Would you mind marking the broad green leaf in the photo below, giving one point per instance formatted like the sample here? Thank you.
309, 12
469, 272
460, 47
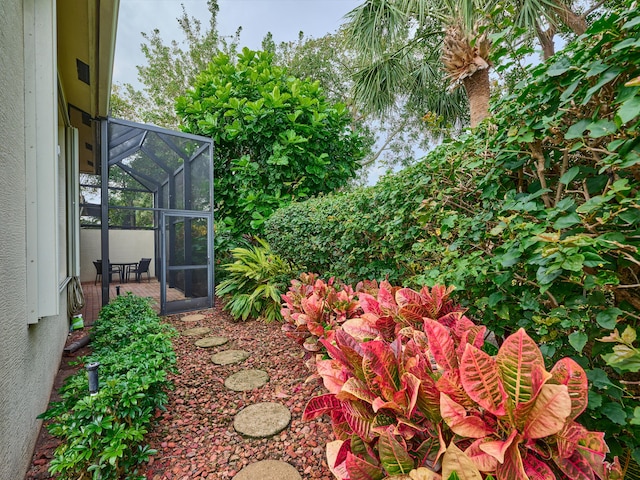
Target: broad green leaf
615, 413
561, 66
567, 221
455, 461
577, 129
480, 379
601, 128
629, 109
608, 318
574, 263
549, 413
578, 340
569, 175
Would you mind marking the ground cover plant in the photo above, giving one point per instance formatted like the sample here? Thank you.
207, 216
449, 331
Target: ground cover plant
104, 434
533, 217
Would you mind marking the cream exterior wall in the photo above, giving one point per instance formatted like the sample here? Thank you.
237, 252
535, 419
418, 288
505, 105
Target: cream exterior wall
29, 354
124, 246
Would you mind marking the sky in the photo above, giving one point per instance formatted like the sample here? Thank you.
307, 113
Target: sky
283, 18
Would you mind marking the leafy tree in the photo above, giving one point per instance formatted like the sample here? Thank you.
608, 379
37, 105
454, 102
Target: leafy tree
277, 138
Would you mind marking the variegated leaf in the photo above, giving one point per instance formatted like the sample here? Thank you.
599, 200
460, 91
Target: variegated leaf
338, 470
593, 449
512, 468
357, 389
576, 467
383, 362
359, 418
456, 461
549, 413
363, 328
406, 296
480, 379
536, 469
567, 439
369, 304
441, 345
517, 358
360, 469
498, 448
319, 405
423, 473
568, 372
482, 460
394, 457
460, 423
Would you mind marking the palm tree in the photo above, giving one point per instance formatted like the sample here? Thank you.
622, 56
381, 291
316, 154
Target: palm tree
425, 49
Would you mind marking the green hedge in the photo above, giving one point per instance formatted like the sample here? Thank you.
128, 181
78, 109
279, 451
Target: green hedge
103, 435
534, 217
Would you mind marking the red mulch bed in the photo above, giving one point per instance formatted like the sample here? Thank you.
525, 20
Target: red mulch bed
195, 438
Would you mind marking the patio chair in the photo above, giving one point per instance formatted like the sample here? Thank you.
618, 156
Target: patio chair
142, 267
112, 270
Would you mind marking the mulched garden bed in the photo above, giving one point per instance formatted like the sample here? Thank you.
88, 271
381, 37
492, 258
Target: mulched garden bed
195, 438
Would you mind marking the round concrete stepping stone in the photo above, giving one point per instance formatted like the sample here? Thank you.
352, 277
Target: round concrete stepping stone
268, 470
194, 332
262, 420
229, 356
208, 342
246, 380
193, 318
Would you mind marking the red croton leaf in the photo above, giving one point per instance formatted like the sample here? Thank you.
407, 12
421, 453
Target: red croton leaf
320, 405
512, 468
460, 422
441, 345
568, 372
536, 469
593, 449
498, 448
384, 363
394, 456
360, 469
337, 467
363, 328
576, 467
369, 304
568, 438
482, 460
480, 379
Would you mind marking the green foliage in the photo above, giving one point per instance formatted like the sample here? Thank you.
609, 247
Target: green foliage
276, 138
255, 281
104, 434
533, 217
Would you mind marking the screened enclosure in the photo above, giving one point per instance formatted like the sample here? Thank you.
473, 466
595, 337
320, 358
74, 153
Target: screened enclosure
162, 180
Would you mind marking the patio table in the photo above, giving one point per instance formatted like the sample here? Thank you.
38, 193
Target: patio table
124, 267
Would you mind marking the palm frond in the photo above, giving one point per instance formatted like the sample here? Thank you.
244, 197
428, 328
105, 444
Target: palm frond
374, 25
377, 84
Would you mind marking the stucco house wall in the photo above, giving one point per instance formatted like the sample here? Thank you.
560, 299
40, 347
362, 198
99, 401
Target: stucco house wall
124, 246
29, 353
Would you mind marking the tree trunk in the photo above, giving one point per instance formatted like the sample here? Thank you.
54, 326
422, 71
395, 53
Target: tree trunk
545, 37
577, 23
477, 87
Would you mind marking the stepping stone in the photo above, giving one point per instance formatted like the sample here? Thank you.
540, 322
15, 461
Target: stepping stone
193, 318
208, 342
268, 470
194, 332
262, 420
246, 380
229, 356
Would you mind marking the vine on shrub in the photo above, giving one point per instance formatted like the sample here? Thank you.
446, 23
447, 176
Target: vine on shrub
104, 434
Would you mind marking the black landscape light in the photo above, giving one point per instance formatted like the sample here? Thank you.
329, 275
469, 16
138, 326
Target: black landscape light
92, 371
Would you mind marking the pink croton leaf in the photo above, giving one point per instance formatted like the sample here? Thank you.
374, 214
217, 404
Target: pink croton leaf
456, 461
549, 413
412, 314
339, 424
363, 328
320, 405
338, 469
384, 363
369, 304
406, 296
482, 460
473, 335
567, 439
450, 384
460, 422
354, 388
497, 448
517, 358
480, 379
568, 372
441, 345
386, 299
576, 467
593, 449
333, 374
512, 468
360, 469
359, 418
411, 385
536, 469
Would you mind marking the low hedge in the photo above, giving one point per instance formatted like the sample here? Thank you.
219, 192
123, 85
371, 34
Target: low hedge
103, 435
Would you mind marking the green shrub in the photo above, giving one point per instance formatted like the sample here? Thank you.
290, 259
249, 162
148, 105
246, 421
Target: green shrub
103, 435
254, 281
534, 218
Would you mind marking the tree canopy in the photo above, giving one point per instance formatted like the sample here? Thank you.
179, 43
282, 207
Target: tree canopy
276, 137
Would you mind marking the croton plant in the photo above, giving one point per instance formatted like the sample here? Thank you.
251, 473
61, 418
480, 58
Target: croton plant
413, 394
